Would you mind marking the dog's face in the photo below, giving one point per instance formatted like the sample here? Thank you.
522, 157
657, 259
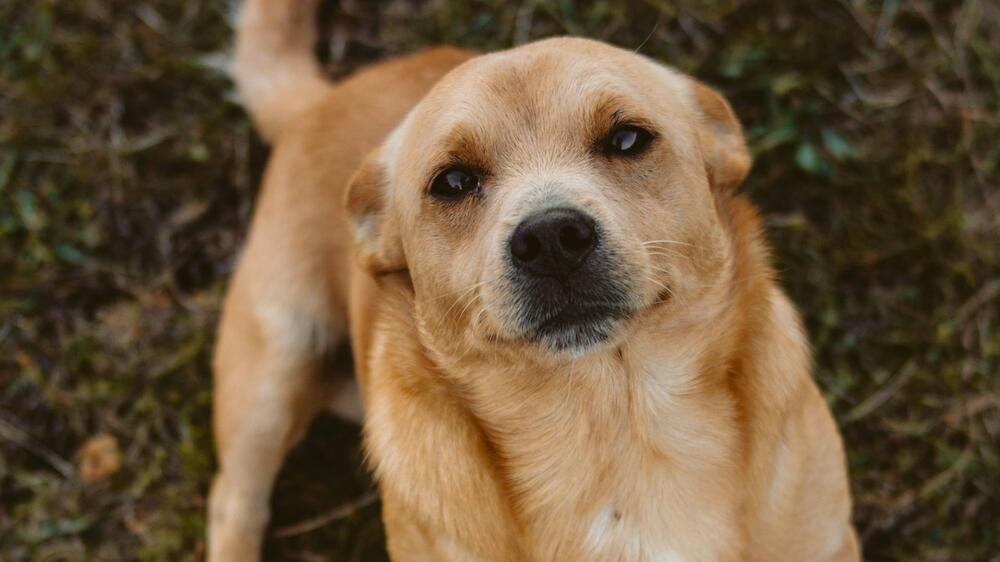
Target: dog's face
548, 195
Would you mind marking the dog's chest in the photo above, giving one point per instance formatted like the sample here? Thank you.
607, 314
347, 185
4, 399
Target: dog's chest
603, 465
630, 528
641, 472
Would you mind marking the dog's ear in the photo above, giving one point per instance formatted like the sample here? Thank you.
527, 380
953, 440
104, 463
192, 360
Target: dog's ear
377, 239
724, 149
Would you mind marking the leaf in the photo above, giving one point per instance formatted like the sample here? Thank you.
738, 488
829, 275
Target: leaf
99, 458
837, 146
786, 83
70, 254
810, 160
773, 138
199, 152
28, 210
6, 170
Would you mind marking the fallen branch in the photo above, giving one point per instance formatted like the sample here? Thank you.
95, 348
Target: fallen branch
323, 519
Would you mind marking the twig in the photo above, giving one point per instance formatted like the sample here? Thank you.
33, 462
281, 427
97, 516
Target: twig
882, 395
983, 296
20, 437
944, 477
523, 21
339, 512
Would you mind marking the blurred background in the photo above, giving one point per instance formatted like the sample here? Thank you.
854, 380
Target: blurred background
128, 173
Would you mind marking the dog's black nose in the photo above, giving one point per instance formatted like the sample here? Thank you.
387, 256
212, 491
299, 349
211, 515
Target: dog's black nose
553, 242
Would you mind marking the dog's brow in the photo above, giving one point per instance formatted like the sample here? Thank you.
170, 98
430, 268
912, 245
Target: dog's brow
608, 111
463, 145
607, 104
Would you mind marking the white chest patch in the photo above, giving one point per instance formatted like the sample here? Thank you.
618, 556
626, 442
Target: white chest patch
612, 537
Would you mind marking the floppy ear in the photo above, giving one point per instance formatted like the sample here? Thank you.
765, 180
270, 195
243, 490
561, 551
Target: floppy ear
725, 151
377, 239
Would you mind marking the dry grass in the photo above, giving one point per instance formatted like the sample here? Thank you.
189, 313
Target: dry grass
127, 176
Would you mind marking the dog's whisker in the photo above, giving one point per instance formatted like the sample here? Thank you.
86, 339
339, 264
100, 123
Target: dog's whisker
722, 281
717, 283
659, 284
678, 242
670, 255
467, 305
463, 290
666, 251
475, 325
663, 248
458, 300
461, 298
662, 270
480, 316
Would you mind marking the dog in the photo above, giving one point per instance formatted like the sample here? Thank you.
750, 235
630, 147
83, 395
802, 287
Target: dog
569, 342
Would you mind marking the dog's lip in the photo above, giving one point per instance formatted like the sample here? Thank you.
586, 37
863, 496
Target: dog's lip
581, 316
588, 314
576, 316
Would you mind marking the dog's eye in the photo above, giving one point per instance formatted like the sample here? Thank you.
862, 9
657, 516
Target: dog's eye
454, 183
627, 140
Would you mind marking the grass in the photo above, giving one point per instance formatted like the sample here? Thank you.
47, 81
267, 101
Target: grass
128, 173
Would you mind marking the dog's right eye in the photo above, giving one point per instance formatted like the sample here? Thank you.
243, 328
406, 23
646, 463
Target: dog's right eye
455, 183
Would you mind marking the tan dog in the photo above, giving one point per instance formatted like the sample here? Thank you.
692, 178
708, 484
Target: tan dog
570, 343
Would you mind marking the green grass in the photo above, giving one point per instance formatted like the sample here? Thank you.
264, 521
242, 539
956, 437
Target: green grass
127, 177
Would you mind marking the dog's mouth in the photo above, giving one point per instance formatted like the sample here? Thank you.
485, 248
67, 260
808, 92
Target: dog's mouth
580, 326
573, 316
577, 327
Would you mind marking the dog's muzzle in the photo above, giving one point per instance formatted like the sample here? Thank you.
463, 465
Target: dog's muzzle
567, 287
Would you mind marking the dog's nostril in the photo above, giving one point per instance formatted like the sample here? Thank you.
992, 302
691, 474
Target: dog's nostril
526, 247
576, 237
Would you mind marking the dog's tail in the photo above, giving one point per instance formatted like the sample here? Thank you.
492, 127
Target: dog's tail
275, 69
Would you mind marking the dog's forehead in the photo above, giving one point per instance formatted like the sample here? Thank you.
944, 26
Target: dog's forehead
523, 78
550, 79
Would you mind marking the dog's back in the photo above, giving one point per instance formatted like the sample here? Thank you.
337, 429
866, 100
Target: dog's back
286, 307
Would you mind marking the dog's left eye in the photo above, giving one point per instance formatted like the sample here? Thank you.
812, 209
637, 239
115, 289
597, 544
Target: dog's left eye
627, 140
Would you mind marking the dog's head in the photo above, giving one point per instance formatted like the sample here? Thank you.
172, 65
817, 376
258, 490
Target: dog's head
547, 195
